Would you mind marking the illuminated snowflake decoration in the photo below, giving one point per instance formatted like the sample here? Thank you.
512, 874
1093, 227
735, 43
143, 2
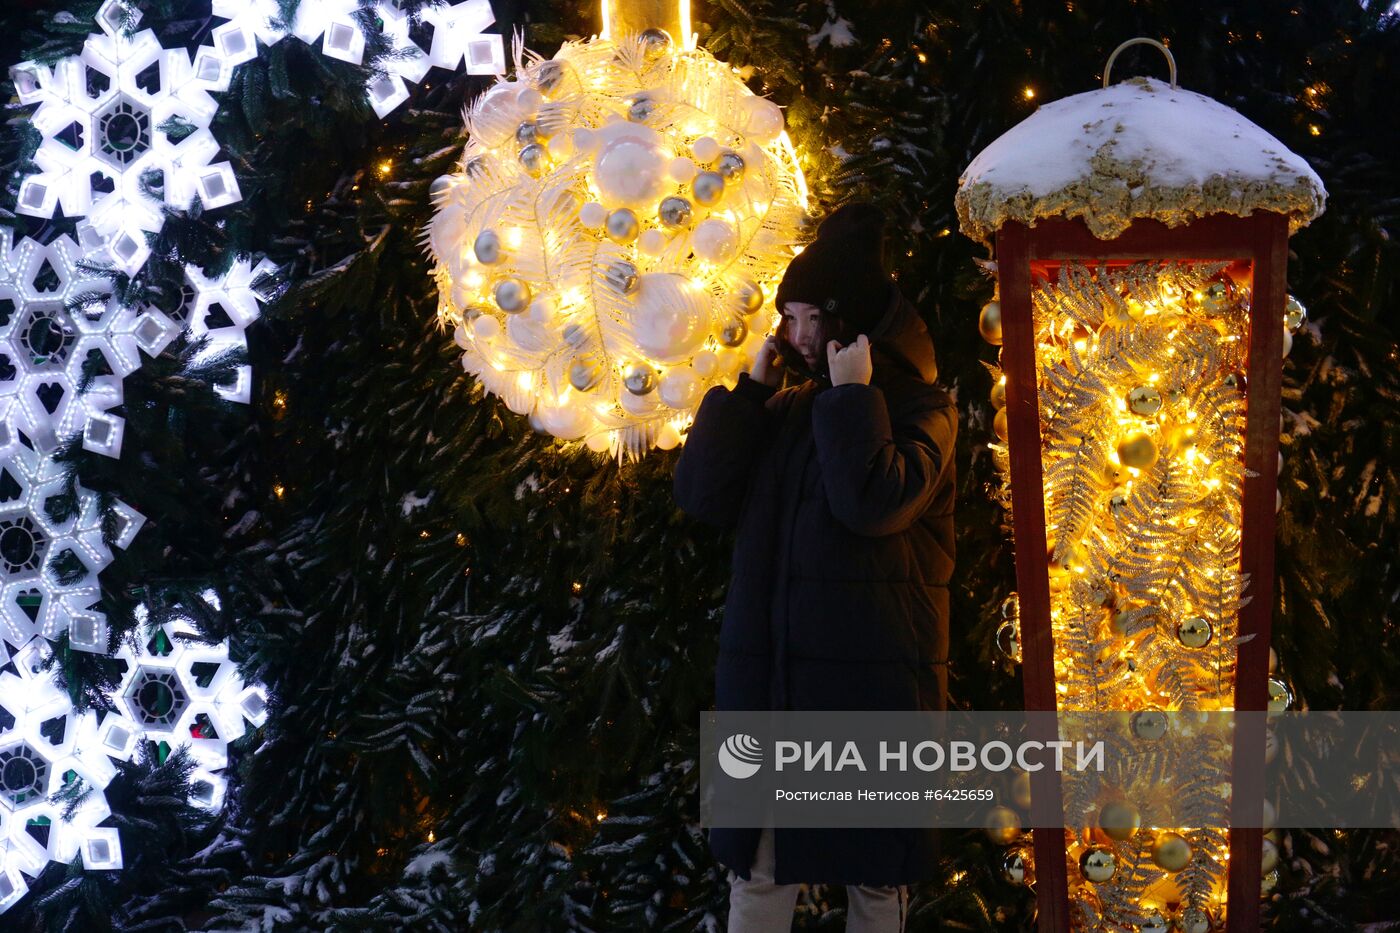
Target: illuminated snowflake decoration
458, 34
125, 127
57, 321
51, 550
187, 693
44, 748
219, 311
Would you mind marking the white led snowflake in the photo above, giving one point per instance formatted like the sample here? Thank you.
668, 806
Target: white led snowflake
40, 545
219, 311
44, 747
187, 693
125, 126
56, 318
458, 34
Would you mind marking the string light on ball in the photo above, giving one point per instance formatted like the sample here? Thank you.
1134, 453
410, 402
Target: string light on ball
609, 245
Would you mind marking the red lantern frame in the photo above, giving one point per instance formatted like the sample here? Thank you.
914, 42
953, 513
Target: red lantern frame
1261, 242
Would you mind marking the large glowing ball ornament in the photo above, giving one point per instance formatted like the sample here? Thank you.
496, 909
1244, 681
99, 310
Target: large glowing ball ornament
567, 276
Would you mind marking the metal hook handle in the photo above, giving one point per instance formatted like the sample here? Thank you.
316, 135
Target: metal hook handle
1142, 40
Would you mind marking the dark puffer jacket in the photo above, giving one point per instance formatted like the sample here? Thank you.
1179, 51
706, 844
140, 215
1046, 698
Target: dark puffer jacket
843, 501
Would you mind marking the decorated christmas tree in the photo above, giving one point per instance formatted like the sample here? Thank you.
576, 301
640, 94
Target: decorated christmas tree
343, 588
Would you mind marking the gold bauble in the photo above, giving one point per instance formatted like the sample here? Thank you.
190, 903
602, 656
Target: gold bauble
1194, 920
1002, 826
1171, 852
1017, 868
1149, 725
1268, 859
1137, 450
999, 425
1213, 300
1268, 882
1273, 660
998, 393
1235, 380
1194, 632
989, 323
1280, 697
1145, 401
1009, 640
1097, 864
748, 296
1118, 622
733, 332
1119, 820
1294, 315
1118, 501
1021, 790
1154, 923
1011, 608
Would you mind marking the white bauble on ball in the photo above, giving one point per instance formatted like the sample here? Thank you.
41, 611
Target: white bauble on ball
706, 150
584, 139
486, 327
667, 437
598, 443
651, 242
631, 167
529, 101
530, 335
639, 404
714, 240
496, 115
705, 364
566, 422
682, 169
593, 215
679, 387
765, 120
670, 317
447, 229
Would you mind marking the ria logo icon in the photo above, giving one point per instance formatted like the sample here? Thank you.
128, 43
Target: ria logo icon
741, 756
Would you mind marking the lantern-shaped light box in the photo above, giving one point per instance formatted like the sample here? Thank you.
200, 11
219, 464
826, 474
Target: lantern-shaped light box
1140, 236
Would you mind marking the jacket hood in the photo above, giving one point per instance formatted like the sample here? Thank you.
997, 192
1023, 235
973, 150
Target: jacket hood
901, 340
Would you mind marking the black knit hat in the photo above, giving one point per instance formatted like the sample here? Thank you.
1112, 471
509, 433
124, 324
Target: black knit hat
842, 271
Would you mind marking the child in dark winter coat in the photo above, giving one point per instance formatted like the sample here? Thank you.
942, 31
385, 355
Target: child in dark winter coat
841, 489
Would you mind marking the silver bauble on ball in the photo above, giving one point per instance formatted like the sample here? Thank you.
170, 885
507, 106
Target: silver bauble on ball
488, 247
1280, 697
733, 332
707, 188
641, 109
1015, 867
655, 42
550, 77
527, 132
1294, 315
474, 167
638, 378
439, 185
674, 212
1194, 920
622, 276
730, 166
748, 296
584, 374
622, 226
512, 294
1214, 299
1145, 401
532, 158
989, 323
1009, 640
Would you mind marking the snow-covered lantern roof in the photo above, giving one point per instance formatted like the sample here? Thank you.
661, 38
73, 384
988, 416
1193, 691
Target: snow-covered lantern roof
1139, 149
1140, 234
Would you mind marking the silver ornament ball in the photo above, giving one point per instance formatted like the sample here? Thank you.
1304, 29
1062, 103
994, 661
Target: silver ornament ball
638, 378
655, 42
731, 166
533, 158
622, 277
674, 212
641, 109
1294, 315
488, 247
527, 132
748, 296
583, 374
707, 188
512, 294
733, 332
622, 226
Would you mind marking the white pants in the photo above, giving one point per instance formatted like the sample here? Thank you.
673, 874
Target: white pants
761, 906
